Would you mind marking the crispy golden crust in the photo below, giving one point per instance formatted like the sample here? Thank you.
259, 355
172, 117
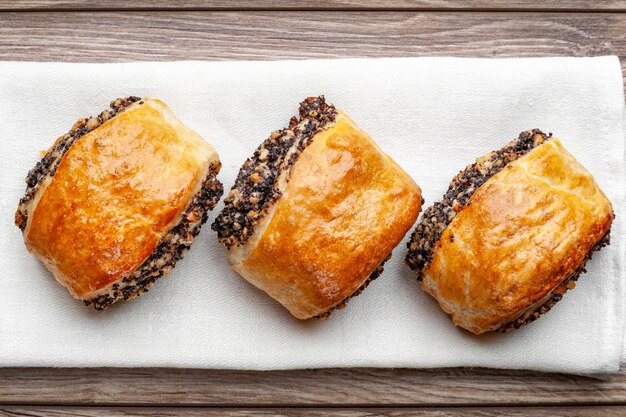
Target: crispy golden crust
523, 232
117, 191
345, 207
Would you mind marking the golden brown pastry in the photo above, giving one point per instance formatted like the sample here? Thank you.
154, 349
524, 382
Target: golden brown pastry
316, 211
117, 201
511, 235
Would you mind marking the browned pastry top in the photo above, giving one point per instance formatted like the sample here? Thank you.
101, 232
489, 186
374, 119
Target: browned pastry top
344, 209
523, 232
116, 192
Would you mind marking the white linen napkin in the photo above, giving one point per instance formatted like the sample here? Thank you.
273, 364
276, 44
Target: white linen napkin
432, 115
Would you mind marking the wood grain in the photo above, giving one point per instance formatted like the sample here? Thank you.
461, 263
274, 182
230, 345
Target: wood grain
605, 411
125, 36
357, 387
479, 5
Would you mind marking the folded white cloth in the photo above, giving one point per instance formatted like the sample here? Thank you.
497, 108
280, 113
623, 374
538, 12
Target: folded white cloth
432, 115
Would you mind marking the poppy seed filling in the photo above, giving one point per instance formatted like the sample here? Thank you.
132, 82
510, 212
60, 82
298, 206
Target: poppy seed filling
437, 217
256, 187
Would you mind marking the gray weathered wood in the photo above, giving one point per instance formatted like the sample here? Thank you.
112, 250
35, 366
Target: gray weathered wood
124, 36
603, 411
543, 5
330, 387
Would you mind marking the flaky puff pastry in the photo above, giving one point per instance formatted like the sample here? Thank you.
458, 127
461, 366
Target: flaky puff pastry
117, 201
524, 232
343, 205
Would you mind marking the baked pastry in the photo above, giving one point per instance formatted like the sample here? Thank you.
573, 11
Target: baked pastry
316, 211
511, 235
117, 200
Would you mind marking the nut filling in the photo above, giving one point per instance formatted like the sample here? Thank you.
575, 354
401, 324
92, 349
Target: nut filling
256, 187
172, 247
437, 217
47, 166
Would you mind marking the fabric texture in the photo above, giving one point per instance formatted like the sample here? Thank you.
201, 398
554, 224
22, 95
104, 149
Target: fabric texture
434, 116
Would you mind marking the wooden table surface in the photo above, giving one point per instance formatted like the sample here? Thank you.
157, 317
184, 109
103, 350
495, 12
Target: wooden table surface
108, 31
